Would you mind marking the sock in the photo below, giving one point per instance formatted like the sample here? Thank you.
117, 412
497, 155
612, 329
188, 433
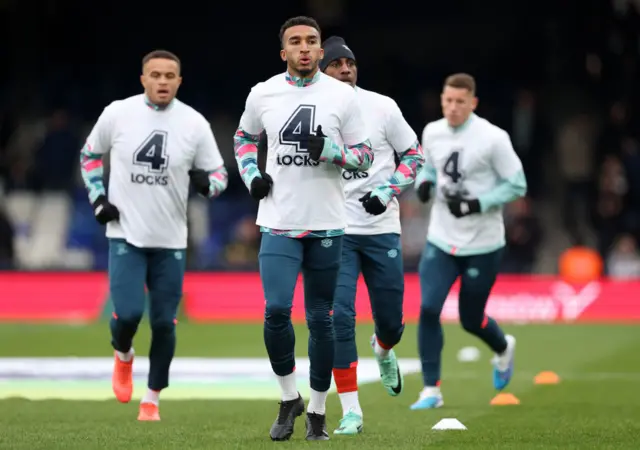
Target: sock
317, 402
288, 386
151, 396
430, 343
347, 387
379, 349
430, 391
350, 403
125, 357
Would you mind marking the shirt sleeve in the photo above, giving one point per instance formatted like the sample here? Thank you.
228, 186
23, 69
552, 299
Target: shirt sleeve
508, 168
398, 132
209, 159
405, 143
250, 120
98, 143
356, 154
428, 172
353, 128
246, 140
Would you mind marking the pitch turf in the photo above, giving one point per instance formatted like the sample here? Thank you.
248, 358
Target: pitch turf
595, 406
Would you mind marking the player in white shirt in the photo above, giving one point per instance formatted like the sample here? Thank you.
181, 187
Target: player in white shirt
471, 171
314, 130
156, 146
371, 245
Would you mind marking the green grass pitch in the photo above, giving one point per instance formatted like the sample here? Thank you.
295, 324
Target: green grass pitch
596, 405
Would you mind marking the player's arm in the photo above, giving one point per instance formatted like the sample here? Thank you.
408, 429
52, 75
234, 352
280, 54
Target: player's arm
210, 176
96, 146
356, 153
245, 143
357, 157
405, 142
508, 167
427, 176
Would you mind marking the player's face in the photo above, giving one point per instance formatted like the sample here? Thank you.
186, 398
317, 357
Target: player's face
301, 50
161, 80
343, 69
457, 105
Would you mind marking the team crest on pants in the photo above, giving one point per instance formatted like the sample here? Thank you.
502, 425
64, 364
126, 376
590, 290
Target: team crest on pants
326, 243
392, 253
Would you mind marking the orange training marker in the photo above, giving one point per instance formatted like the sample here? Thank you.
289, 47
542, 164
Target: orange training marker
505, 399
546, 377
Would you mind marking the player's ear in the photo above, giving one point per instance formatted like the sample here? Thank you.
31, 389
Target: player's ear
142, 81
474, 103
321, 53
283, 55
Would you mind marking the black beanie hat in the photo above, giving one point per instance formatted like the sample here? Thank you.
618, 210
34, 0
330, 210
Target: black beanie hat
334, 48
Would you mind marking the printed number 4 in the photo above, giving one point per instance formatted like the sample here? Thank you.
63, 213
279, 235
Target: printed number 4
451, 167
298, 128
153, 152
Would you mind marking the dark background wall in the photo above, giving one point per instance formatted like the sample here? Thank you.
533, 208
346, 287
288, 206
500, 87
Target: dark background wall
561, 77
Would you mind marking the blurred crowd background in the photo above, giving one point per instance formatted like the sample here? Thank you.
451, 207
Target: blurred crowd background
562, 79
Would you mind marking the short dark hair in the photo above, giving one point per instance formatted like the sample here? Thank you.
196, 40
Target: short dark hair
299, 20
461, 81
161, 54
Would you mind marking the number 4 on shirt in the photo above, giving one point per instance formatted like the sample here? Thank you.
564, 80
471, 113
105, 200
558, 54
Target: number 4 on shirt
451, 167
298, 127
153, 152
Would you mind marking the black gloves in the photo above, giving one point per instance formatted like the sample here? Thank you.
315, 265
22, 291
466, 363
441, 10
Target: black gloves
200, 180
260, 186
104, 211
460, 207
424, 191
372, 205
315, 144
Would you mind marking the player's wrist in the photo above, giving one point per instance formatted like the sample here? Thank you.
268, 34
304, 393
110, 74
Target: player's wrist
475, 205
330, 151
383, 196
254, 177
101, 199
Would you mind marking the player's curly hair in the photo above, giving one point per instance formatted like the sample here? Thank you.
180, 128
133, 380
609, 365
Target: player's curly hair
299, 20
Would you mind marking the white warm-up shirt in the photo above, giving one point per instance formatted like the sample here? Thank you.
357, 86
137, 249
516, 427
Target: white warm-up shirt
151, 152
389, 134
305, 195
476, 160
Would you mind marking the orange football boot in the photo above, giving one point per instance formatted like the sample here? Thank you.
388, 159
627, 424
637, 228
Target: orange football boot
149, 412
122, 380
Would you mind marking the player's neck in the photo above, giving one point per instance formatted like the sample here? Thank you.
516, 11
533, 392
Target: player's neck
156, 107
463, 125
299, 81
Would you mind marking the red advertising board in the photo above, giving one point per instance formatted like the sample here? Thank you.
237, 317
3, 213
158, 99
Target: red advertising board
64, 297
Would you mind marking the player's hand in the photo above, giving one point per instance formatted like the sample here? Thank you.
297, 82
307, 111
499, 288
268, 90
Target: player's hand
260, 186
315, 144
372, 204
424, 191
460, 207
104, 211
200, 180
